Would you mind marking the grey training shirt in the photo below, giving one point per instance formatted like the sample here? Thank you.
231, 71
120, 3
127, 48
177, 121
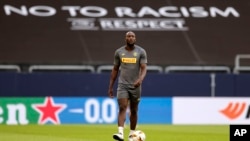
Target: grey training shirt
129, 62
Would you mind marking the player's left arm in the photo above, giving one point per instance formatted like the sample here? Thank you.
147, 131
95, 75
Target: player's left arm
143, 72
143, 68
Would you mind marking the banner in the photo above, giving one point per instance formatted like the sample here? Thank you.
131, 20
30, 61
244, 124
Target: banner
100, 110
219, 110
78, 110
88, 32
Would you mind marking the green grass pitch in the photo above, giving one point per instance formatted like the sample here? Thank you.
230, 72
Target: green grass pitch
103, 132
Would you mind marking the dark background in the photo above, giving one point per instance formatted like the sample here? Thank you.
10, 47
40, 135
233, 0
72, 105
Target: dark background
209, 41
27, 40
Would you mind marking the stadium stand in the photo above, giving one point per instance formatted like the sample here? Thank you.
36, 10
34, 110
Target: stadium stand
238, 67
81, 68
104, 68
150, 68
180, 38
217, 69
14, 68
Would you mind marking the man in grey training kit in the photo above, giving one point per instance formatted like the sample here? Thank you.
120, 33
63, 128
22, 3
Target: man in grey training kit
131, 61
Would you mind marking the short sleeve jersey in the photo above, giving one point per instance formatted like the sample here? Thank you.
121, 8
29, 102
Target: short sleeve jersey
129, 62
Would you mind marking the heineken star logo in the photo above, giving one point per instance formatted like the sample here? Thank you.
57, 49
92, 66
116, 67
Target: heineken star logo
49, 111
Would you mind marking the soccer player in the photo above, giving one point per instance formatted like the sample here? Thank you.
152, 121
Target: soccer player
131, 61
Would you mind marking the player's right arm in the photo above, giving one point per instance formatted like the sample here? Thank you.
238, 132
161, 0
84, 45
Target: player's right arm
113, 77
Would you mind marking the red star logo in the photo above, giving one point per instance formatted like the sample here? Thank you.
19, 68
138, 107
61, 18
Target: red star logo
49, 111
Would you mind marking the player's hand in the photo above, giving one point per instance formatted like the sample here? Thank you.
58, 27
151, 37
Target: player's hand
110, 93
137, 83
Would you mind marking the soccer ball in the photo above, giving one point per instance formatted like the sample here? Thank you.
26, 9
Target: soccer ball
138, 135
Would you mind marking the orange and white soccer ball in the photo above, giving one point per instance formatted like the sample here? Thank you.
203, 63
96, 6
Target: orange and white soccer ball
138, 135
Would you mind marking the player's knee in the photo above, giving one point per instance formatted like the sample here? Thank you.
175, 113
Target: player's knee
122, 108
133, 112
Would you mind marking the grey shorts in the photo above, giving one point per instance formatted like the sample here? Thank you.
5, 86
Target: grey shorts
129, 91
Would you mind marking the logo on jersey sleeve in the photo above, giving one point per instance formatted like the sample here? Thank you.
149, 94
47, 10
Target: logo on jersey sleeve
135, 54
129, 60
